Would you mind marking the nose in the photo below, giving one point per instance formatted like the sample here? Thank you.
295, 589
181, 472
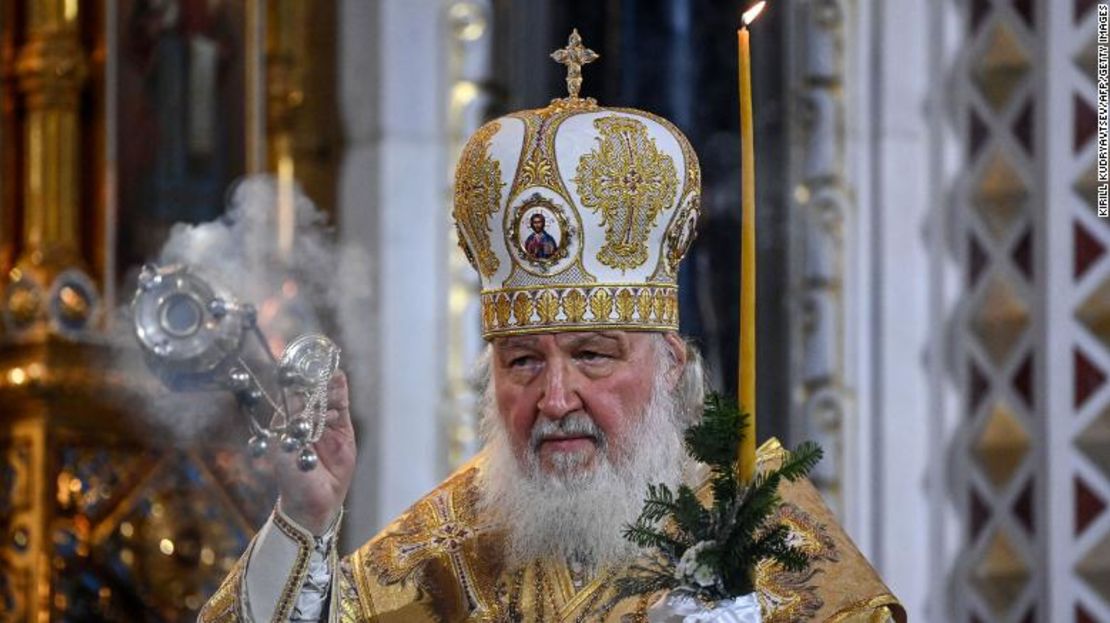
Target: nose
560, 392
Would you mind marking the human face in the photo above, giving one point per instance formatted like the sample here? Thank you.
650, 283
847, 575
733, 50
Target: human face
603, 376
538, 223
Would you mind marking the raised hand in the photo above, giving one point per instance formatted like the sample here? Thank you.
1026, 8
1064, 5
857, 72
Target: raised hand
313, 498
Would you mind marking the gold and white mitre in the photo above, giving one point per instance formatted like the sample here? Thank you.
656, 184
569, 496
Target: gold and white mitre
576, 215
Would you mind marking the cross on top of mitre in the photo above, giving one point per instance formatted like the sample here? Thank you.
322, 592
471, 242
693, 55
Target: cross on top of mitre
574, 56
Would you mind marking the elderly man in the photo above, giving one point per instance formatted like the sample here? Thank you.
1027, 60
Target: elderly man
586, 391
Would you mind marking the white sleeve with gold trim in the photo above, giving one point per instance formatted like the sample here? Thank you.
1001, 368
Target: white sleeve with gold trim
288, 572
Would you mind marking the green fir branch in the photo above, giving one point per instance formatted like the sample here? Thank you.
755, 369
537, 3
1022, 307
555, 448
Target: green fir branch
643, 579
733, 533
645, 534
660, 503
691, 517
798, 463
715, 440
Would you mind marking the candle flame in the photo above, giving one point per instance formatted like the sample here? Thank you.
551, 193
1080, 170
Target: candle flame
749, 16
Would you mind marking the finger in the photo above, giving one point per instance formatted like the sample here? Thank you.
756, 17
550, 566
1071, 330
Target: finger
295, 402
338, 394
339, 420
338, 378
337, 451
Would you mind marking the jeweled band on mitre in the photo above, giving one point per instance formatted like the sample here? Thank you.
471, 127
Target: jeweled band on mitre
576, 216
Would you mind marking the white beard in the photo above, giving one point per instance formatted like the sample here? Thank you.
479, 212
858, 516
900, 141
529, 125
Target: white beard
579, 513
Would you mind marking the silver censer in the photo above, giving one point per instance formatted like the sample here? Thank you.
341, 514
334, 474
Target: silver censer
195, 337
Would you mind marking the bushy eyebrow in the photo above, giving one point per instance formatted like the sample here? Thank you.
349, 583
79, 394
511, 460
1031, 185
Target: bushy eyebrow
565, 341
579, 340
516, 341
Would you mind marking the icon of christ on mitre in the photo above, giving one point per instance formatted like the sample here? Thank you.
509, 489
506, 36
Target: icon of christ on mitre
586, 389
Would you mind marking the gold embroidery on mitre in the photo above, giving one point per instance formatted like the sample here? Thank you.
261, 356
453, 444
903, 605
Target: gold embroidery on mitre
625, 303
470, 259
504, 310
537, 166
683, 230
574, 304
629, 181
547, 305
578, 307
660, 302
643, 304
477, 197
522, 309
601, 304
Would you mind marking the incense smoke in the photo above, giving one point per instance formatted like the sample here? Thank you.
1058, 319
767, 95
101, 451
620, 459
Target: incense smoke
311, 283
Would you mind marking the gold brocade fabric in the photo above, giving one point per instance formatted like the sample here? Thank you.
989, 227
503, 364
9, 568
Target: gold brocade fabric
440, 561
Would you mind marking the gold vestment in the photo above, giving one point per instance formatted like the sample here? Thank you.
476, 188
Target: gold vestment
441, 561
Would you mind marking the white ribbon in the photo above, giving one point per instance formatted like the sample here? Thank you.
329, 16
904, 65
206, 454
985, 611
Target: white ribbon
681, 607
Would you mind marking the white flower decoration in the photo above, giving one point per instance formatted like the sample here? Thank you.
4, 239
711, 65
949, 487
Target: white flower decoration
690, 572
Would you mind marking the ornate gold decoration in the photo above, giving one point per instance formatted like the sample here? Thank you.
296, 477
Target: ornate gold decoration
504, 310
51, 68
477, 197
522, 309
569, 105
537, 165
683, 230
619, 160
442, 561
791, 596
873, 610
574, 56
566, 308
489, 317
629, 181
538, 169
574, 303
547, 304
225, 605
626, 303
601, 303
693, 168
437, 542
295, 580
644, 305
465, 248
348, 602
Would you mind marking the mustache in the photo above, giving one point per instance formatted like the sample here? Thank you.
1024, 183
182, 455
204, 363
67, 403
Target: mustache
577, 424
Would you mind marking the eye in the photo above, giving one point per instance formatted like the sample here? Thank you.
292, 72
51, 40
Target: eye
522, 361
592, 355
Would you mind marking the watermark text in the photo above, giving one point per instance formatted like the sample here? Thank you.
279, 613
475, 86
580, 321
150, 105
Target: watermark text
1102, 79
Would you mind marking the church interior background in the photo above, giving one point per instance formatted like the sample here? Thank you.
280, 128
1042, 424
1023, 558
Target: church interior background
934, 290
